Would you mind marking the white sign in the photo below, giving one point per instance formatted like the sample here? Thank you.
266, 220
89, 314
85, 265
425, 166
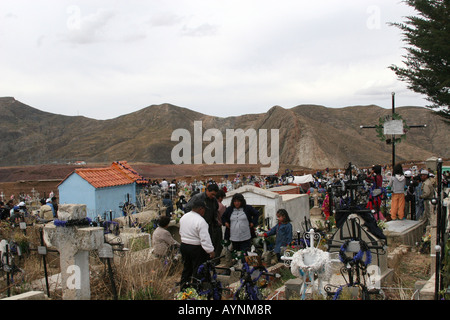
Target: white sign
42, 250
105, 251
393, 127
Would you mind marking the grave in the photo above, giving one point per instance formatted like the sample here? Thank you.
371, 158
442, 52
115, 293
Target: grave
73, 238
307, 264
353, 230
408, 232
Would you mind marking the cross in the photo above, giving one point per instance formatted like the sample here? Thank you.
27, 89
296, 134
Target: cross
393, 132
73, 244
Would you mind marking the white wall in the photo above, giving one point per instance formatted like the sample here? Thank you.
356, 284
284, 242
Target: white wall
297, 205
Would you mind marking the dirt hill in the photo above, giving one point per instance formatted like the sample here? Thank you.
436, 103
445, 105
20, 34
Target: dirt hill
309, 135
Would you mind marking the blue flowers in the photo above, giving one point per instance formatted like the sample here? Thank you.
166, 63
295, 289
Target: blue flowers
357, 258
73, 223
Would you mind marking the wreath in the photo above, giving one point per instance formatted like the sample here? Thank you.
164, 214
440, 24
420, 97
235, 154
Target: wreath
321, 262
380, 127
364, 249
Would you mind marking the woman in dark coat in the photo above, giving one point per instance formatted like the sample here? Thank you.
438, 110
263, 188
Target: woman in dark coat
240, 220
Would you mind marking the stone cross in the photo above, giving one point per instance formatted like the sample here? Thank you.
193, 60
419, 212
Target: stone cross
74, 243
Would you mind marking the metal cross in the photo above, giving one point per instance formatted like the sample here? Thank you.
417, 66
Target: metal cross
392, 140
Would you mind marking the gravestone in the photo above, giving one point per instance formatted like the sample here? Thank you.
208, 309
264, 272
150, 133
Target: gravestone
352, 231
73, 241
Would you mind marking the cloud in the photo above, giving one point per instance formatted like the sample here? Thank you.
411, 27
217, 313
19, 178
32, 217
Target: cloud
216, 57
202, 30
165, 19
87, 29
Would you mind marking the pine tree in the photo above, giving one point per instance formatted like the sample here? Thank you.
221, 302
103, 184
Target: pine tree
427, 68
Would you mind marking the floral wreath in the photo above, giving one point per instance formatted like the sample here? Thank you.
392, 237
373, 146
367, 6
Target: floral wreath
320, 265
380, 127
364, 249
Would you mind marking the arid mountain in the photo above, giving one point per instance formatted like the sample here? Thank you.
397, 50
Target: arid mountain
309, 135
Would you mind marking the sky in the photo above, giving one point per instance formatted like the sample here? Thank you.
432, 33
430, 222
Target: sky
106, 58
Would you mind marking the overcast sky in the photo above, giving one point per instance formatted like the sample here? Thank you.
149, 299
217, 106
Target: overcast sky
106, 58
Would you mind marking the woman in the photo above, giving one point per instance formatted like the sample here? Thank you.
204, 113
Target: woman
240, 220
164, 245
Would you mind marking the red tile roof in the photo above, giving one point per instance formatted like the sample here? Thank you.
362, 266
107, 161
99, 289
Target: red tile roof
129, 171
119, 173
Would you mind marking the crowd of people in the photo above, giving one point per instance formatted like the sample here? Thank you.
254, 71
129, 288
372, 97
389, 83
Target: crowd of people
16, 213
405, 193
206, 225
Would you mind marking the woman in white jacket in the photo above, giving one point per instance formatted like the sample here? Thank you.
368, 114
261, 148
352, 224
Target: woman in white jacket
397, 185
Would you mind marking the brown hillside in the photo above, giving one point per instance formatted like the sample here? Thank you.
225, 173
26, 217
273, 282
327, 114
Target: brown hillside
310, 136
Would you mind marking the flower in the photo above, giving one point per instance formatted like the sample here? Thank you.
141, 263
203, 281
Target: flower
188, 294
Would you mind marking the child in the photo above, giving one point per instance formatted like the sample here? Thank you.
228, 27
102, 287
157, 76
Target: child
283, 232
397, 184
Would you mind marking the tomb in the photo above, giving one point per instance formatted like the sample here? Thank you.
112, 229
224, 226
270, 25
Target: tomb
268, 202
73, 238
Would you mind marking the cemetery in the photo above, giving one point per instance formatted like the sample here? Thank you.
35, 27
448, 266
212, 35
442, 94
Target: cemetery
348, 256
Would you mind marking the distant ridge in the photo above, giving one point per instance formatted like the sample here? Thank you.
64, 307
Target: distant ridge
311, 136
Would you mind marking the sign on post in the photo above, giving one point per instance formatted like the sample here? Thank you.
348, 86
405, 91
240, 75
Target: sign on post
393, 127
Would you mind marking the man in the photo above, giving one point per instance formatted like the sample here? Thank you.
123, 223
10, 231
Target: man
427, 193
211, 214
196, 246
45, 212
50, 204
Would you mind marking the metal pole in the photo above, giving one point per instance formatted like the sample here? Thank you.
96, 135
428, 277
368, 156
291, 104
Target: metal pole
393, 136
111, 278
440, 226
7, 272
44, 261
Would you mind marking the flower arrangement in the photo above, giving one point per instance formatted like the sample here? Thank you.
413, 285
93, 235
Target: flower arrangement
188, 294
364, 250
73, 223
319, 262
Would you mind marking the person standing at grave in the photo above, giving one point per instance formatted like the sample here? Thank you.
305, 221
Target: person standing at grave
196, 245
55, 206
50, 204
410, 198
220, 196
45, 212
283, 232
376, 180
326, 205
167, 202
428, 193
240, 220
417, 192
164, 185
397, 184
211, 213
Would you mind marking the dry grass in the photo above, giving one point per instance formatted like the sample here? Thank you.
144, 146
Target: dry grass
135, 279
